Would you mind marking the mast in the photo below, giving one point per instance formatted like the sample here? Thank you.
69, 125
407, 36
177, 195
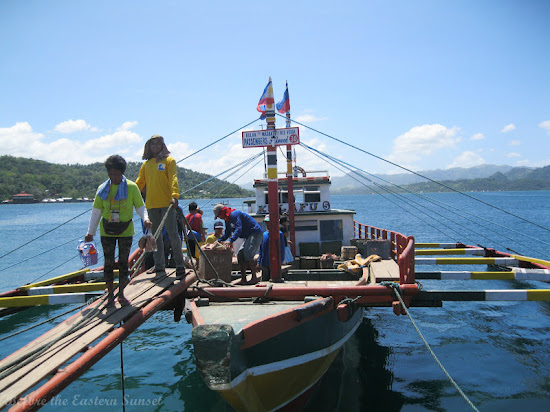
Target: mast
273, 192
290, 182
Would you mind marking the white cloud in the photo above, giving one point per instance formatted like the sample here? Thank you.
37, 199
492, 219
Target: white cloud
545, 125
512, 155
308, 118
422, 141
515, 143
127, 126
508, 128
71, 126
467, 159
477, 136
20, 140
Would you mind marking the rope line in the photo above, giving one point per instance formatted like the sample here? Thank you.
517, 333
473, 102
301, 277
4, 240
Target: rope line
122, 375
44, 234
420, 175
217, 141
41, 323
396, 290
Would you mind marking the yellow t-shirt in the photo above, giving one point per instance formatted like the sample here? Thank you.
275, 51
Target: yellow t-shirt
160, 178
211, 239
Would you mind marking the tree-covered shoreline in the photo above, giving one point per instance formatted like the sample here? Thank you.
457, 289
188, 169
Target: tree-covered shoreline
50, 180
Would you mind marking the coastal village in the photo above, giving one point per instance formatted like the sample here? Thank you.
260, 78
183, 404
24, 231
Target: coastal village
25, 198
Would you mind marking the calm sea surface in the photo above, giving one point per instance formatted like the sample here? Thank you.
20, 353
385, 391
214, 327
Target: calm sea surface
498, 352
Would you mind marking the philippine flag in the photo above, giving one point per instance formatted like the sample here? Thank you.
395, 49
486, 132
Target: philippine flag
266, 99
284, 105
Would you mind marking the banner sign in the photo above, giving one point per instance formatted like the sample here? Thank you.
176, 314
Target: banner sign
271, 137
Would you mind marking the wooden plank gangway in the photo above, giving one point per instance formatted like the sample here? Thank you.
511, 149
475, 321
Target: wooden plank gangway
24, 369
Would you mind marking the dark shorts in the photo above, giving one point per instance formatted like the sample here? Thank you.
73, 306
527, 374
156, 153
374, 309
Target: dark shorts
250, 247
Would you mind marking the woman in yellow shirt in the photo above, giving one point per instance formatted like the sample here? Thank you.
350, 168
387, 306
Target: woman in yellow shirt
158, 176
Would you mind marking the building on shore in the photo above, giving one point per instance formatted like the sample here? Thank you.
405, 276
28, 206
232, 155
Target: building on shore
23, 198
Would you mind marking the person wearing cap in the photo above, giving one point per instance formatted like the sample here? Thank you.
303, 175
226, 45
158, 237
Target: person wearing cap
218, 232
263, 259
158, 177
241, 225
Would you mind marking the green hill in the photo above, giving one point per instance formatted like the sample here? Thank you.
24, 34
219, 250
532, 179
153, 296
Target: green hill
44, 180
514, 180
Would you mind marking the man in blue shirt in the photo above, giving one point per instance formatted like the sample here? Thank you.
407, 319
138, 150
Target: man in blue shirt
241, 225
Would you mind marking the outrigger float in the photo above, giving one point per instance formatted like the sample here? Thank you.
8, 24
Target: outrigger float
263, 346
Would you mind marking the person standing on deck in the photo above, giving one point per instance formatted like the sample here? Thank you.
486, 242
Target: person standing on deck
194, 218
113, 204
241, 225
158, 175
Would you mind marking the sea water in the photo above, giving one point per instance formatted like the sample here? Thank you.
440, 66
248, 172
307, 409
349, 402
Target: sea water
497, 352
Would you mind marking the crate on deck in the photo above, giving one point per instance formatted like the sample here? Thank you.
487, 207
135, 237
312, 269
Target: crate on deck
220, 262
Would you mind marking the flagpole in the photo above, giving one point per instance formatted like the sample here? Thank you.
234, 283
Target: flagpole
290, 186
273, 193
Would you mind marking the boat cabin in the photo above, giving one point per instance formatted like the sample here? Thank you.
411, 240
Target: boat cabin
319, 228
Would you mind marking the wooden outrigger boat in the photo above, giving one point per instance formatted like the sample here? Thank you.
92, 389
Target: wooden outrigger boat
265, 346
267, 352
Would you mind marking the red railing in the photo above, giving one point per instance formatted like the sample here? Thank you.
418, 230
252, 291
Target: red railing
402, 248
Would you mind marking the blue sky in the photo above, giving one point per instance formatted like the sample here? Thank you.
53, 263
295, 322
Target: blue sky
426, 84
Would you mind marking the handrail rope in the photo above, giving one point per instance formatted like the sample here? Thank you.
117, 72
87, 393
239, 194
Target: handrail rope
18, 363
39, 254
420, 175
43, 234
201, 252
220, 192
419, 208
57, 267
218, 280
399, 205
238, 165
508, 228
41, 323
448, 205
122, 374
87, 211
396, 290
82, 322
217, 141
433, 201
86, 318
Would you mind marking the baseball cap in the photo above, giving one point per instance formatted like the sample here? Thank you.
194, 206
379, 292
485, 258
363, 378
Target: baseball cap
217, 209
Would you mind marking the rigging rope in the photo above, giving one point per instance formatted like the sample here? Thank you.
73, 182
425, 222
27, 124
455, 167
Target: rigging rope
43, 234
217, 141
41, 323
438, 229
420, 175
395, 287
122, 374
353, 169
420, 207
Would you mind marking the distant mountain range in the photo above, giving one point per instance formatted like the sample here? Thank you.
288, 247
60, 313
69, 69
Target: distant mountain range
478, 178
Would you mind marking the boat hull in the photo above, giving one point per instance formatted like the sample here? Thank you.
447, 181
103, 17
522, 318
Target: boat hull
272, 373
